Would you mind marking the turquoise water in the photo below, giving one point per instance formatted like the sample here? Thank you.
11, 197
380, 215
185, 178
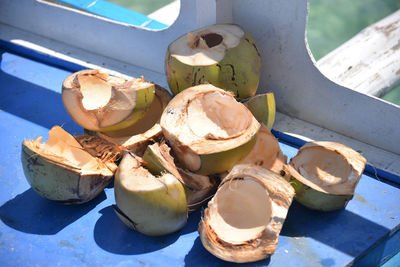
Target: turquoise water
330, 22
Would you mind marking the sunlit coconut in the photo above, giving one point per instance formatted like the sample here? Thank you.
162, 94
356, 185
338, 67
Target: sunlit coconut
208, 130
243, 220
100, 102
223, 54
325, 174
62, 170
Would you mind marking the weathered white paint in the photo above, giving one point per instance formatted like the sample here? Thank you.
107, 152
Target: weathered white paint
279, 30
370, 61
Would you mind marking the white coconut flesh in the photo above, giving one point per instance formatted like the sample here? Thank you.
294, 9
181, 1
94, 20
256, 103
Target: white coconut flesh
206, 46
62, 147
240, 211
327, 170
217, 116
96, 100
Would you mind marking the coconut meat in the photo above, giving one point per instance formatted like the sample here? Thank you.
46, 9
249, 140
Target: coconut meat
206, 46
217, 116
240, 210
62, 147
322, 167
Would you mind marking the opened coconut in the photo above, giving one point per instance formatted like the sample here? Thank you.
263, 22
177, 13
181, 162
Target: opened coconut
243, 220
198, 188
325, 175
263, 108
223, 54
208, 130
151, 204
100, 102
62, 170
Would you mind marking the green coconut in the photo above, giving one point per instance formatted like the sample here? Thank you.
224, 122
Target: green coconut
198, 188
100, 102
263, 108
152, 205
325, 175
208, 130
224, 55
243, 220
62, 170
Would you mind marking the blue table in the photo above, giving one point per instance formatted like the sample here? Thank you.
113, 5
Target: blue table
38, 232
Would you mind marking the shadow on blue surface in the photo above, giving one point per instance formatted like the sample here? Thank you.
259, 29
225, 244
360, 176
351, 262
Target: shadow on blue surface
342, 230
198, 254
34, 103
30, 213
113, 236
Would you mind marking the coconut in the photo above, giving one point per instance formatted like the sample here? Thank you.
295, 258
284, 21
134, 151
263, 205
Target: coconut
243, 220
208, 130
224, 55
267, 153
263, 108
198, 188
61, 170
100, 102
152, 205
325, 175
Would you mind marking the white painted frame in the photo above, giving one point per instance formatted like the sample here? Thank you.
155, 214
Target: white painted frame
278, 27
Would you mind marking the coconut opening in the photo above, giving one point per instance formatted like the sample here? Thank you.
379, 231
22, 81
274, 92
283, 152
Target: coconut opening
206, 46
96, 92
322, 167
240, 210
62, 147
217, 116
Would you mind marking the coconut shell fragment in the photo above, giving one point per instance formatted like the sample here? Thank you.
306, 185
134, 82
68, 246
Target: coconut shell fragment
62, 170
325, 174
243, 220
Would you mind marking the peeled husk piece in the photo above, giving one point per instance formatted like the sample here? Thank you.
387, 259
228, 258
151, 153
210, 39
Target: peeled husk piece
152, 205
101, 102
224, 55
198, 188
243, 220
325, 175
208, 130
266, 152
62, 170
263, 108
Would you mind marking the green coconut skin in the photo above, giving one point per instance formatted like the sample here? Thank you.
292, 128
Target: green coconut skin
316, 200
263, 108
144, 99
223, 161
58, 182
238, 71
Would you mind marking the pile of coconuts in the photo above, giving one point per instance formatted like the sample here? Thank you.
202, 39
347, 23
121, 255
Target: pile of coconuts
211, 142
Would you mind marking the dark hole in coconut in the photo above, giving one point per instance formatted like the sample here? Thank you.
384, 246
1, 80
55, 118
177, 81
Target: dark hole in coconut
212, 39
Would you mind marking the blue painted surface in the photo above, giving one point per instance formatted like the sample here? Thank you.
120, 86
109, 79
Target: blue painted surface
35, 231
114, 12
